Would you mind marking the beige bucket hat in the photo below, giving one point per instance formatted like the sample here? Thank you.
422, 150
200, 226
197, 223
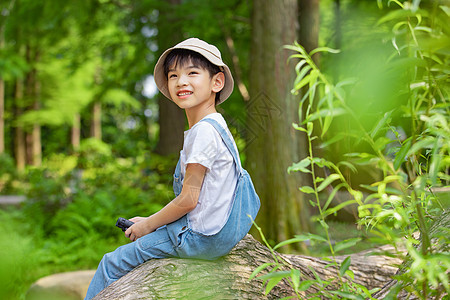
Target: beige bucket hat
210, 52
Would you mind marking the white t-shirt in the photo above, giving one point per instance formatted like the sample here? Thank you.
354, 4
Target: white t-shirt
204, 145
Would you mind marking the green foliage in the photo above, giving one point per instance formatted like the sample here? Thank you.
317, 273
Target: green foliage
17, 257
407, 142
8, 175
73, 202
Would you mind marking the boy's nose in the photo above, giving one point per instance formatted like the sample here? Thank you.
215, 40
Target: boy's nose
182, 80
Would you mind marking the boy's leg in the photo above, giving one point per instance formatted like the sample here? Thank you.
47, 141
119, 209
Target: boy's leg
125, 258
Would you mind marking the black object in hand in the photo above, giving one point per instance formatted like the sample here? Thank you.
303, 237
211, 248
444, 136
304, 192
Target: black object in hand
123, 224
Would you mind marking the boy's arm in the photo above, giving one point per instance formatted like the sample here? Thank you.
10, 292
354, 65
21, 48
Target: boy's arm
178, 207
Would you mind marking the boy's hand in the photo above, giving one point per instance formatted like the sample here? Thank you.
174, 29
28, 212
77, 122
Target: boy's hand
137, 219
140, 228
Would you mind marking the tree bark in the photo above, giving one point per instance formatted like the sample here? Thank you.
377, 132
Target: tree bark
96, 122
272, 144
309, 16
32, 94
2, 114
75, 135
19, 136
228, 277
37, 144
172, 120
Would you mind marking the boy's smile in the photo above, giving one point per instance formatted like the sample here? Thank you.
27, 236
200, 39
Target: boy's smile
184, 94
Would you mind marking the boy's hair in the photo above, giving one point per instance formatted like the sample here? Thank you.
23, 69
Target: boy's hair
180, 57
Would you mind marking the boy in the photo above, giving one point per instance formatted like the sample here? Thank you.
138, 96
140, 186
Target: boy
214, 195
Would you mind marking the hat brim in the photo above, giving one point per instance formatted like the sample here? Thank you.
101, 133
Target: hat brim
161, 80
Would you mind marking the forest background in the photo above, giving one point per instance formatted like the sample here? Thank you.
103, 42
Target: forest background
361, 127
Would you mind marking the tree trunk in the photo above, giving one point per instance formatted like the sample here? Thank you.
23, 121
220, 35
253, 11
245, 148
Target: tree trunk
75, 135
309, 16
172, 120
32, 93
2, 114
33, 136
96, 122
228, 277
272, 143
171, 127
37, 145
19, 137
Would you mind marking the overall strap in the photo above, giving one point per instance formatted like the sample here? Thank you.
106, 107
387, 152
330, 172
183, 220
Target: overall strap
226, 139
178, 168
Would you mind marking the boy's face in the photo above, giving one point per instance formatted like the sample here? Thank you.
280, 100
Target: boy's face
190, 86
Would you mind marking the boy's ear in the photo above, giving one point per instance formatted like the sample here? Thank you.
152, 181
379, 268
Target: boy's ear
218, 82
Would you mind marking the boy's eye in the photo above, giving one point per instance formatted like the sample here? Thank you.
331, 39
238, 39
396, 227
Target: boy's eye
193, 73
172, 76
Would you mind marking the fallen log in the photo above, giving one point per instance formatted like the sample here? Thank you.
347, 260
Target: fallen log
228, 277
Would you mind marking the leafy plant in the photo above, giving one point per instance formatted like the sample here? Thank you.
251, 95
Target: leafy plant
414, 163
8, 174
67, 221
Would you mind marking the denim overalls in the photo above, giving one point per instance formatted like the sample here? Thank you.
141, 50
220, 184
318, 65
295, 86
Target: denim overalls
177, 239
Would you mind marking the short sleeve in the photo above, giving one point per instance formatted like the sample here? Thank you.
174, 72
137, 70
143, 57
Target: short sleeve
202, 146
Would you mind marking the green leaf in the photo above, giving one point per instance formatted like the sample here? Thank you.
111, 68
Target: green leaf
446, 9
350, 274
436, 159
278, 274
348, 165
272, 283
296, 127
425, 143
397, 14
401, 154
323, 224
290, 241
326, 124
339, 246
309, 127
273, 279
386, 118
310, 236
259, 269
332, 194
338, 207
345, 265
389, 190
299, 66
302, 83
300, 166
305, 284
295, 276
347, 295
326, 112
337, 137
318, 179
302, 74
327, 181
324, 49
307, 189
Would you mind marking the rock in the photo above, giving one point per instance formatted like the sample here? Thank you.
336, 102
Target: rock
11, 200
61, 286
